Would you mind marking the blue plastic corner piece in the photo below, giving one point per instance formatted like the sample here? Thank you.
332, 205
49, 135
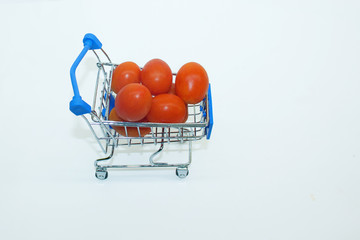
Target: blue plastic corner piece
208, 129
92, 41
111, 105
79, 106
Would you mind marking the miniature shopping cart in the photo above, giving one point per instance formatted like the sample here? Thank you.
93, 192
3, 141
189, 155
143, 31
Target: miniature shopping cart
198, 125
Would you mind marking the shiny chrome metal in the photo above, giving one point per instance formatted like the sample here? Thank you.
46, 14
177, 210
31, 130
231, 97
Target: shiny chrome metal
93, 131
151, 159
106, 55
97, 165
152, 163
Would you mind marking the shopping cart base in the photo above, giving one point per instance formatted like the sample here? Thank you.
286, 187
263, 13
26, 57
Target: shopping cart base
181, 171
102, 173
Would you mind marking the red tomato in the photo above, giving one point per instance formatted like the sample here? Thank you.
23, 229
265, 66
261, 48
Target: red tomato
133, 102
131, 131
167, 108
191, 83
125, 73
157, 76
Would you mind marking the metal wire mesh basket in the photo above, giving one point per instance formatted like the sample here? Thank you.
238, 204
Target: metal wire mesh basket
198, 125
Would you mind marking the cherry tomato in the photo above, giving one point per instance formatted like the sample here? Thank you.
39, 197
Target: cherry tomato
191, 83
131, 131
125, 73
157, 76
167, 108
133, 102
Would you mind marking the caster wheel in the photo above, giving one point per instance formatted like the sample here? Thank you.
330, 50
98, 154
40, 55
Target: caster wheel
182, 172
101, 174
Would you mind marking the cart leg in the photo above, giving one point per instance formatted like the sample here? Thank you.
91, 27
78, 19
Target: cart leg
151, 159
183, 171
101, 172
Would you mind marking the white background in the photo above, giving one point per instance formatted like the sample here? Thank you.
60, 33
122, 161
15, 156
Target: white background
284, 158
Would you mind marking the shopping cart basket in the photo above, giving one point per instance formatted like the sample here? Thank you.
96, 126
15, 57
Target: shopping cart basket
198, 125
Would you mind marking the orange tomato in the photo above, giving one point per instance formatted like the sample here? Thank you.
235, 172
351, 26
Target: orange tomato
191, 83
133, 102
167, 108
156, 76
125, 73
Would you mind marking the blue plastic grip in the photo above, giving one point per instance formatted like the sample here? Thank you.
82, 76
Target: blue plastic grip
111, 105
208, 129
77, 105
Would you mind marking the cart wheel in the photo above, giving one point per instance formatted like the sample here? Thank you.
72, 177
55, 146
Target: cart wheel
182, 172
101, 174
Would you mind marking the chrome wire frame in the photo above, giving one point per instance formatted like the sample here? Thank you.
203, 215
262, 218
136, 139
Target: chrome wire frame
161, 133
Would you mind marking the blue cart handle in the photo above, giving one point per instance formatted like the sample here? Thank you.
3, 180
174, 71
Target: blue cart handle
77, 105
208, 129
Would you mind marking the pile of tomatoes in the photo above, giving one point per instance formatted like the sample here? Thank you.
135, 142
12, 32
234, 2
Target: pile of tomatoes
150, 95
